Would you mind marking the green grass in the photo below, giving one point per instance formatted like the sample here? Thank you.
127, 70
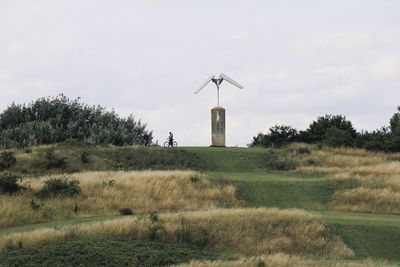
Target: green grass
67, 159
283, 190
370, 235
227, 159
103, 252
369, 241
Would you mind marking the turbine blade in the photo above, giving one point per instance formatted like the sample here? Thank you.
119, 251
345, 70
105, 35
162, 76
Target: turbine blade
230, 80
205, 83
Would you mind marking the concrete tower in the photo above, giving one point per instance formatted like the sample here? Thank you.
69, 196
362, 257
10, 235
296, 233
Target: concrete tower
218, 113
218, 126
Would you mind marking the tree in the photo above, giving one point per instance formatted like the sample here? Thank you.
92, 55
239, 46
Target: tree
317, 131
278, 135
336, 137
56, 119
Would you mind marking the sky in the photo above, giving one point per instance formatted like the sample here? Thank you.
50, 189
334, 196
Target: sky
296, 59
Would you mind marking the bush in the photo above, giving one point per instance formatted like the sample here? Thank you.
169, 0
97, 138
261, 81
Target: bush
56, 119
338, 138
277, 160
279, 135
63, 186
125, 211
7, 159
318, 129
303, 151
9, 183
51, 160
194, 178
34, 205
85, 157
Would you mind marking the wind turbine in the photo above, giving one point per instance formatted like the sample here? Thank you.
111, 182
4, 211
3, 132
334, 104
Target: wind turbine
218, 113
217, 80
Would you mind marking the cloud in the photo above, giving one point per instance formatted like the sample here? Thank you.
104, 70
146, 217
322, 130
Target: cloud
296, 60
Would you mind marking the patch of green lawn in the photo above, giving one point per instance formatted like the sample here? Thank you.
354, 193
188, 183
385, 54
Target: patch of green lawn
229, 159
278, 189
103, 252
377, 242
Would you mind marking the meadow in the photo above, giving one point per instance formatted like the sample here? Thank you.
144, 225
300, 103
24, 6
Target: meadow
301, 205
107, 193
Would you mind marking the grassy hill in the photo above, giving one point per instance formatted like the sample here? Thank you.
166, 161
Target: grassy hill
324, 182
370, 235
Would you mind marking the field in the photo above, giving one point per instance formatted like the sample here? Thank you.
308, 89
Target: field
296, 206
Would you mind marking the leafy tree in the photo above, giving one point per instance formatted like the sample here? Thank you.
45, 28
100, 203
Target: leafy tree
395, 122
336, 137
278, 135
317, 131
56, 119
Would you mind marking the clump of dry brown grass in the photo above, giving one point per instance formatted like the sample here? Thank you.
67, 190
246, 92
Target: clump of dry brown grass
104, 193
249, 231
361, 180
283, 260
367, 200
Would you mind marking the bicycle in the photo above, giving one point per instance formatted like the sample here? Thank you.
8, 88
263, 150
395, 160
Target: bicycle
168, 144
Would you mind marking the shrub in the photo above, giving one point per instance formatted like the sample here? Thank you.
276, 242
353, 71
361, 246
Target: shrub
125, 211
194, 178
336, 137
76, 207
303, 151
318, 129
7, 159
277, 160
278, 135
57, 119
85, 157
156, 227
34, 205
52, 161
63, 186
9, 183
109, 183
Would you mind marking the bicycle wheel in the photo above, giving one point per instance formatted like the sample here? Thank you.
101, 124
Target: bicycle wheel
174, 144
166, 144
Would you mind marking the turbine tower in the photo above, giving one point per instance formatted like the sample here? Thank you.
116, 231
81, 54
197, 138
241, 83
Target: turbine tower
218, 113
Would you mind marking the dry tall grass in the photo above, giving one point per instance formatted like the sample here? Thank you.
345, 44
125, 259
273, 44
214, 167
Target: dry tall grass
249, 231
104, 193
283, 260
362, 181
367, 200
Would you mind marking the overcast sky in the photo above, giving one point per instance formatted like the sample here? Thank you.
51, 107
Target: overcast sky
297, 60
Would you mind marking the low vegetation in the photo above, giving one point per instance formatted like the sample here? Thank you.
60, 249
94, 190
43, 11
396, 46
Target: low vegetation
249, 231
56, 119
358, 180
74, 156
114, 252
9, 183
282, 260
106, 193
334, 131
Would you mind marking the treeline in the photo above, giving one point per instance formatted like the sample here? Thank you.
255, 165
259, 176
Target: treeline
336, 131
51, 120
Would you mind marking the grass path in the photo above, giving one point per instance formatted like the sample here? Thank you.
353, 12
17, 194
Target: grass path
368, 234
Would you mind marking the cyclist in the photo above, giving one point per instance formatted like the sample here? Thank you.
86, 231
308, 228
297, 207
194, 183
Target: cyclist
171, 139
